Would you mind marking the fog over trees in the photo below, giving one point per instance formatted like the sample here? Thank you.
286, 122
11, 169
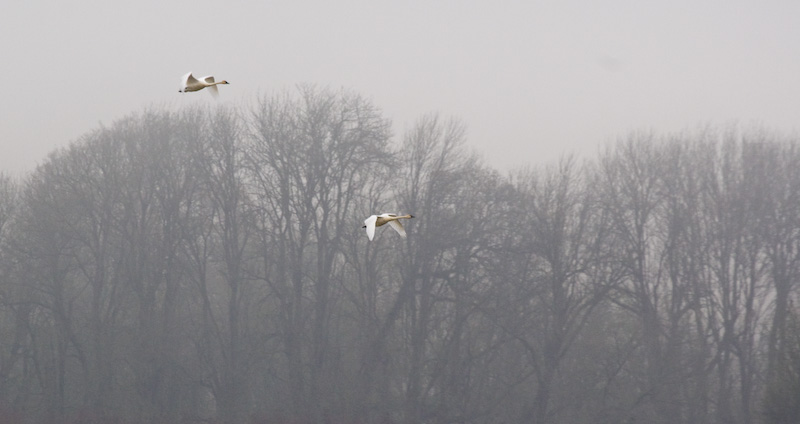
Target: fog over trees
209, 265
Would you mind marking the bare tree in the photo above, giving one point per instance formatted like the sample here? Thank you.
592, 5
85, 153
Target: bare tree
559, 247
12, 310
779, 220
311, 157
647, 225
225, 331
782, 398
737, 266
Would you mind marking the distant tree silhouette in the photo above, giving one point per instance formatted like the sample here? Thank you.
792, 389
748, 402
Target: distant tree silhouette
209, 265
782, 399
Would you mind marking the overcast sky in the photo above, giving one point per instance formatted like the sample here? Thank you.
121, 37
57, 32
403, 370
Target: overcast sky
531, 80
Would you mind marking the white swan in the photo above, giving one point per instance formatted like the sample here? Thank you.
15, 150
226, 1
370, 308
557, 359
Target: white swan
385, 218
190, 83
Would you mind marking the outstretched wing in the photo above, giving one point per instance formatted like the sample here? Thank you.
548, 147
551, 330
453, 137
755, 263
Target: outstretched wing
398, 227
214, 90
189, 82
370, 223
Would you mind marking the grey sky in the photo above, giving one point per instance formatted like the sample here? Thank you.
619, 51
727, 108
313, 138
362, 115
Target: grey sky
531, 80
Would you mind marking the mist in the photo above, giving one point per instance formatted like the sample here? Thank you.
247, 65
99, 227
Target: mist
532, 80
208, 264
605, 201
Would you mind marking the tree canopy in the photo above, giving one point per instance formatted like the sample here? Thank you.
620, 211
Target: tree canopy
209, 265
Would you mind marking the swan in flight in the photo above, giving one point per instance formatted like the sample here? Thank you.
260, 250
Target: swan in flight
190, 83
385, 218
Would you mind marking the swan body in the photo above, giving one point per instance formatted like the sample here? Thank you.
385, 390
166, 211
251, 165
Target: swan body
385, 218
190, 83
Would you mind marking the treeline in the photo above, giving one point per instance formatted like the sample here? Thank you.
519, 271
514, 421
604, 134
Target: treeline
209, 265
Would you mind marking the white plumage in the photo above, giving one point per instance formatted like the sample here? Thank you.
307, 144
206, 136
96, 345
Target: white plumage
385, 218
190, 83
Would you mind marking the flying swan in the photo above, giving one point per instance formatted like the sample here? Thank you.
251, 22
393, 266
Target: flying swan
385, 218
190, 83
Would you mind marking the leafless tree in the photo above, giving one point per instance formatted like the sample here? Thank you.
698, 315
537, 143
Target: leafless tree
312, 157
209, 265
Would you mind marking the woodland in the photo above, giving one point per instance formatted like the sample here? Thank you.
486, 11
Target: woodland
208, 265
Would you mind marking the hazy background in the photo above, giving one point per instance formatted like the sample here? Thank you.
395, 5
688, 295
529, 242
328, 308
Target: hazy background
530, 80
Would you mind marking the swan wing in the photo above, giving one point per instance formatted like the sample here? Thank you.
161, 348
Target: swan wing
398, 227
209, 79
190, 83
189, 79
370, 224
